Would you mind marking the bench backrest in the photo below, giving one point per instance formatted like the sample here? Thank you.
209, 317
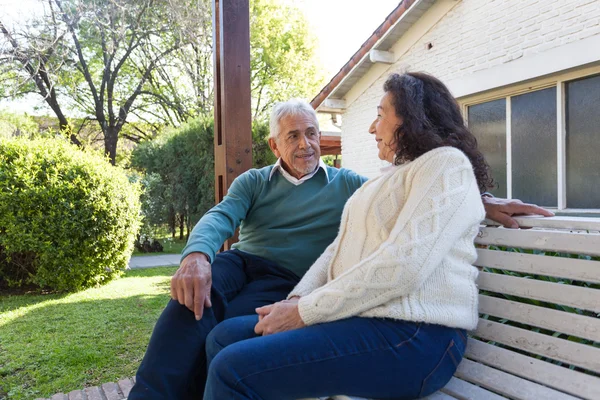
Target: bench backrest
539, 305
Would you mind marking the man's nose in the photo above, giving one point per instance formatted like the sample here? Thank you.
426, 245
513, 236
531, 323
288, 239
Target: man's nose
304, 142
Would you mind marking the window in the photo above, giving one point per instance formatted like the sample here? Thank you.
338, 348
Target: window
543, 143
583, 143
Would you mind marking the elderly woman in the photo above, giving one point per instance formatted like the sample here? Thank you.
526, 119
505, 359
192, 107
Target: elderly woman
383, 312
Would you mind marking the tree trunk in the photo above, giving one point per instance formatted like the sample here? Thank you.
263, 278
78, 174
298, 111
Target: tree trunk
181, 226
172, 221
111, 137
189, 227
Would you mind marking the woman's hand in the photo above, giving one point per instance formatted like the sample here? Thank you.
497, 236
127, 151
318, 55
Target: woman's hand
278, 317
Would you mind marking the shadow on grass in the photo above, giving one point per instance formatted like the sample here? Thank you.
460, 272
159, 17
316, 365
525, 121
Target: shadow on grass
68, 346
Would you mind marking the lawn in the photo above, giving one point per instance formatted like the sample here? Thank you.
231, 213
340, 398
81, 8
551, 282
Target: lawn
62, 342
170, 246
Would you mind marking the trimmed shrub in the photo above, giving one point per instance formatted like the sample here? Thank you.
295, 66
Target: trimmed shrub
68, 218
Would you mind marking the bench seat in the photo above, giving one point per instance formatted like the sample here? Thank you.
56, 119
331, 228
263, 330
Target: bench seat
538, 336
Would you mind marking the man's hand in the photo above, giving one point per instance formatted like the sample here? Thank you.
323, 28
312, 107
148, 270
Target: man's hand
190, 285
501, 210
278, 317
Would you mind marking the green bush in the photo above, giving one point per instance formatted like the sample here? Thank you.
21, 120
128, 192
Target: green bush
68, 218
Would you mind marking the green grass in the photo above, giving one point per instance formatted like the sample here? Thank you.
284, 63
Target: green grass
62, 342
170, 246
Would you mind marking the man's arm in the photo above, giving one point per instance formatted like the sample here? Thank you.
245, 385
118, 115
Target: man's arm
191, 284
501, 210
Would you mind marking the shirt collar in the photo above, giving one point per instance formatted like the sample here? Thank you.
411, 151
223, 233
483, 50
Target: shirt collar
279, 167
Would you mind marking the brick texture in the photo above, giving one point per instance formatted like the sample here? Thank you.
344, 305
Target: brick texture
475, 35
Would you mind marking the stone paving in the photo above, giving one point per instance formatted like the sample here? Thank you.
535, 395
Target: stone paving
154, 261
108, 391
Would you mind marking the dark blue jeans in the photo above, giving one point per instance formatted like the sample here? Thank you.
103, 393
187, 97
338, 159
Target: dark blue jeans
174, 366
365, 357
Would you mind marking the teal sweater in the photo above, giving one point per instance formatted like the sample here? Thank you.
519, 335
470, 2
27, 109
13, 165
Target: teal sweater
287, 224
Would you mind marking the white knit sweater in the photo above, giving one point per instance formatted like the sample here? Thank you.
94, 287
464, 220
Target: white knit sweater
404, 249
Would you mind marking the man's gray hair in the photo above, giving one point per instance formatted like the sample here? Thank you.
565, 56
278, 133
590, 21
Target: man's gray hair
286, 108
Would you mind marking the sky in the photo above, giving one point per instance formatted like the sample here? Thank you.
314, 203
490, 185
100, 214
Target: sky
341, 26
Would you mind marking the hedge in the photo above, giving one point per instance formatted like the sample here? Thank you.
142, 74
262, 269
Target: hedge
68, 218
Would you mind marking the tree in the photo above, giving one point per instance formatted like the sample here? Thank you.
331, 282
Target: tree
94, 58
282, 61
12, 125
114, 62
179, 177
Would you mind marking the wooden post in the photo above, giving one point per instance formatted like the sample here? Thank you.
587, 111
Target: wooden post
233, 119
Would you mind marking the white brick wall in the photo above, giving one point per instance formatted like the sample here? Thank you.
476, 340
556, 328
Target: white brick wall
474, 35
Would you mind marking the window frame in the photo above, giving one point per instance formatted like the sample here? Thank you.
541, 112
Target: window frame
559, 81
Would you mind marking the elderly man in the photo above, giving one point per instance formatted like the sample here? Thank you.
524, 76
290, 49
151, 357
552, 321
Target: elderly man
287, 214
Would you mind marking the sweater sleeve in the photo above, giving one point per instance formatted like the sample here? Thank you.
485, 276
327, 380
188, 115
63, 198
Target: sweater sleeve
442, 203
220, 222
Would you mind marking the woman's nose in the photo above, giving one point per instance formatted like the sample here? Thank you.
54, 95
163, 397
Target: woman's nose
372, 127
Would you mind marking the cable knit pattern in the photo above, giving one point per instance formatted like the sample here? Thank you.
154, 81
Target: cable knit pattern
404, 249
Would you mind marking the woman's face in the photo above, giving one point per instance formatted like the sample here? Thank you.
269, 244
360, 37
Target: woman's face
384, 127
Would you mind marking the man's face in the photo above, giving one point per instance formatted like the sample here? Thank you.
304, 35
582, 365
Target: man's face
297, 144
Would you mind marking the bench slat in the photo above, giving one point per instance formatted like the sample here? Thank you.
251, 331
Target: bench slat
554, 376
467, 391
554, 320
575, 296
506, 384
578, 243
530, 221
439, 396
560, 267
587, 357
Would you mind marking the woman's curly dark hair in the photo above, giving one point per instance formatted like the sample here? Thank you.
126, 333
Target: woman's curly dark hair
431, 118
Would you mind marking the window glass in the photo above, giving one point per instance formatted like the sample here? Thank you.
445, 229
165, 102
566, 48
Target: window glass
533, 142
583, 143
487, 121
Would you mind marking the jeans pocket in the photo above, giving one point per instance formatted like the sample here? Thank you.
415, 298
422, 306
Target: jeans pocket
443, 371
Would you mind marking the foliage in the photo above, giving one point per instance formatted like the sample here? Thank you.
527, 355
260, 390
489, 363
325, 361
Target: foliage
179, 176
17, 125
170, 245
89, 57
261, 152
67, 217
110, 60
283, 63
52, 343
330, 160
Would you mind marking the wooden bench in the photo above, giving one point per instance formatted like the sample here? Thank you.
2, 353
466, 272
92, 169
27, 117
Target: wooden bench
538, 335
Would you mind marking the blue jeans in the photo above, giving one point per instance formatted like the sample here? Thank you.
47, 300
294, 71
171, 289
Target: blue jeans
174, 366
365, 357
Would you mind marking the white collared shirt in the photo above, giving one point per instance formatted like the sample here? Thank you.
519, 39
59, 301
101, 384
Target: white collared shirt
293, 180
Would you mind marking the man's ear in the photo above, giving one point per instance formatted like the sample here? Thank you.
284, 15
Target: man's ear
273, 146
